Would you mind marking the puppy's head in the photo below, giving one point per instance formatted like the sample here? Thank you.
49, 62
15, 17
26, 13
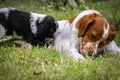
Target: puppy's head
46, 28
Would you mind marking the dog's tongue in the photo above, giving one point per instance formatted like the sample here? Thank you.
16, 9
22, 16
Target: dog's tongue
48, 40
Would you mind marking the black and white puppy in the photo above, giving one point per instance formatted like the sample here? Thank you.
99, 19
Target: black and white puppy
33, 27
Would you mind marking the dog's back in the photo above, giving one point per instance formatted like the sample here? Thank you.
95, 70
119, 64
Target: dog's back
14, 20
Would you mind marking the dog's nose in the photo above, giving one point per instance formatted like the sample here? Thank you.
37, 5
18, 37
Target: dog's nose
89, 52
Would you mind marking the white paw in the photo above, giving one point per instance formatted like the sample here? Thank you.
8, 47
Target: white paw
76, 55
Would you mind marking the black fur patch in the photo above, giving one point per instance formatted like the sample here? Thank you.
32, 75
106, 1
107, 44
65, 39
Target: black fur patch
19, 21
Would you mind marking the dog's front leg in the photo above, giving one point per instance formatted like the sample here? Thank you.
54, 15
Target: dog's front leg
74, 48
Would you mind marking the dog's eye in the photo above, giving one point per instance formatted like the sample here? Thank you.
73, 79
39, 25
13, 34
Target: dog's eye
108, 39
93, 36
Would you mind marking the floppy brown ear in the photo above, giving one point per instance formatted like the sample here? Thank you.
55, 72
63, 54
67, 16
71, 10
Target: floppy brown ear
83, 24
112, 32
111, 36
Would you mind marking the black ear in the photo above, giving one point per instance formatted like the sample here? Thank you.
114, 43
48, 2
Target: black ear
50, 22
49, 19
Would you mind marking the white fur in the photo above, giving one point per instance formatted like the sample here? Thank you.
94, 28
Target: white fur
106, 30
2, 31
6, 11
34, 18
62, 40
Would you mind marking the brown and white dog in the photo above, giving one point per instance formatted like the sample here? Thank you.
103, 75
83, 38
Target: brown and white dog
86, 33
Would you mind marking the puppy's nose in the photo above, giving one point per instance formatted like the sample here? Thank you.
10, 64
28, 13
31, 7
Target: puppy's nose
48, 40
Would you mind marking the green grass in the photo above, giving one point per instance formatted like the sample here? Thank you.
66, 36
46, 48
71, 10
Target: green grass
42, 64
17, 63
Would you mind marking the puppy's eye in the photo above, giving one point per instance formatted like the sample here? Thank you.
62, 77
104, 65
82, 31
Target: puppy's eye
52, 30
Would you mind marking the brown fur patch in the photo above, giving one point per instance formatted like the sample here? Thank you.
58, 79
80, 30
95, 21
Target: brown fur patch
111, 36
71, 19
83, 23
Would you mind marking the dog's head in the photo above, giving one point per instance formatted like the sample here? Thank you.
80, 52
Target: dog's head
94, 31
46, 28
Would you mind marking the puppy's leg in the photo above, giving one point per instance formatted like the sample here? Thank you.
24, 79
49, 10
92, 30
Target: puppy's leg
34, 42
112, 48
39, 43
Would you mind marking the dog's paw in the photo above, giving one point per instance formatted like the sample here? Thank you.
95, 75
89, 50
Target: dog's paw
27, 46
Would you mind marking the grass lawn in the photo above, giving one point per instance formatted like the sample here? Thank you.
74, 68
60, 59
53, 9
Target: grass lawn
17, 63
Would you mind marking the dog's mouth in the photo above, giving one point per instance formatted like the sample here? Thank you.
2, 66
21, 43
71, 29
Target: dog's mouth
49, 40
